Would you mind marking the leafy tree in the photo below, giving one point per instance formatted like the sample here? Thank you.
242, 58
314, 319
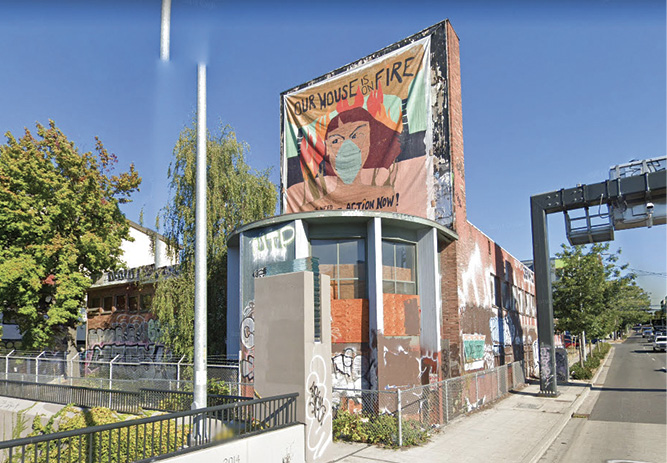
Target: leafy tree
579, 291
592, 294
236, 195
630, 304
59, 224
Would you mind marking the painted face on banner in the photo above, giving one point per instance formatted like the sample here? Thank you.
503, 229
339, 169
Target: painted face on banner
348, 147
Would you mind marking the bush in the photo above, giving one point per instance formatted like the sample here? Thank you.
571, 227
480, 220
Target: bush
349, 426
131, 444
579, 372
381, 429
592, 362
601, 350
216, 387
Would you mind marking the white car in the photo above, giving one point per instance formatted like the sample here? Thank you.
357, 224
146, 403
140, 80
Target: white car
659, 343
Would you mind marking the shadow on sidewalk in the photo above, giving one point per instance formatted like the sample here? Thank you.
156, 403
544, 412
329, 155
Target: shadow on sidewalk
625, 389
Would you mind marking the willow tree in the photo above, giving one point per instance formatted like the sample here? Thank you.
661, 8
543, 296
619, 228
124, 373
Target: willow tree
236, 195
59, 224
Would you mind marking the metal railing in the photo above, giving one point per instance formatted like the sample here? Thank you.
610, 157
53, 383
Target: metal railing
147, 438
81, 369
122, 401
174, 401
432, 405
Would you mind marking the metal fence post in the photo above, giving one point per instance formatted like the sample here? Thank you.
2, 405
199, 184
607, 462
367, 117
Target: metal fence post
476, 390
178, 371
37, 366
498, 380
446, 403
400, 420
70, 364
7, 363
111, 373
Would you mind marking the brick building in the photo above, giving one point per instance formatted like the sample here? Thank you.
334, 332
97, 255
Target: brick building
119, 320
419, 294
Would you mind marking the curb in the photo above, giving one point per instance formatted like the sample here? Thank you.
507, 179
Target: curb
560, 425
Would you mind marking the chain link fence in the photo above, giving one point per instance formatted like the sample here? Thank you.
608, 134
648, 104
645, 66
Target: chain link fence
433, 405
78, 370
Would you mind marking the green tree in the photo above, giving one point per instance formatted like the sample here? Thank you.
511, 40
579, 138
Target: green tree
236, 195
579, 293
629, 303
593, 294
59, 224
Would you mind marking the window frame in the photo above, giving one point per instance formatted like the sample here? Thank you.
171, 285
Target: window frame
415, 282
336, 279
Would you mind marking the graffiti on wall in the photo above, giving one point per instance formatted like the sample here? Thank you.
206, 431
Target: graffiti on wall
476, 353
473, 351
503, 331
273, 245
318, 409
261, 248
248, 341
546, 370
134, 337
536, 355
350, 369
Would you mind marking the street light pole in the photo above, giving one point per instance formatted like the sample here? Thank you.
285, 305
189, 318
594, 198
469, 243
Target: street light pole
200, 246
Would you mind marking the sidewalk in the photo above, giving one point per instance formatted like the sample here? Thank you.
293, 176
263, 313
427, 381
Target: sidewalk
519, 428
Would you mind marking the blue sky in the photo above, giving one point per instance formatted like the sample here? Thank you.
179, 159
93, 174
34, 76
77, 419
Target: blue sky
554, 93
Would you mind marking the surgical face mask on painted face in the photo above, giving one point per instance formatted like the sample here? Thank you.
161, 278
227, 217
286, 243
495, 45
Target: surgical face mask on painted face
348, 161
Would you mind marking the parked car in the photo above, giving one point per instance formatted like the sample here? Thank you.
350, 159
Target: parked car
659, 343
570, 340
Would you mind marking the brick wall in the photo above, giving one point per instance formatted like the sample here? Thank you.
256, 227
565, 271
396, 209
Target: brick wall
469, 265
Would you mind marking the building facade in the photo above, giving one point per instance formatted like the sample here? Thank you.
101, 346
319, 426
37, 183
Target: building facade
418, 294
119, 319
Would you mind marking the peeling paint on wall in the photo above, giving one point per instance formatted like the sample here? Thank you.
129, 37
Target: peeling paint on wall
469, 290
400, 361
503, 331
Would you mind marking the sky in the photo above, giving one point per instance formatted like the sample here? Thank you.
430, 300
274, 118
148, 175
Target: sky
554, 93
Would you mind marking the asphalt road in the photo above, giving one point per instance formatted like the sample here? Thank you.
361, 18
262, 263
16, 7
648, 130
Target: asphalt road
634, 389
624, 418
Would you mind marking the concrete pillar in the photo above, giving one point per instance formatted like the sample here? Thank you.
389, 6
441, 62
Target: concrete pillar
287, 356
428, 284
375, 297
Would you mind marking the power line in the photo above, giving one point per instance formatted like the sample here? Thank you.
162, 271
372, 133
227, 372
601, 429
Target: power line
642, 273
